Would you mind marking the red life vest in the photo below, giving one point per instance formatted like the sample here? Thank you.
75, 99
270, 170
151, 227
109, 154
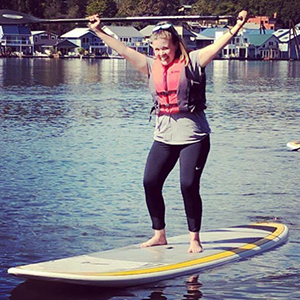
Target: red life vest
174, 91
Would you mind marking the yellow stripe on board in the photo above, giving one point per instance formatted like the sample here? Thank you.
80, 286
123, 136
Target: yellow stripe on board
199, 261
219, 256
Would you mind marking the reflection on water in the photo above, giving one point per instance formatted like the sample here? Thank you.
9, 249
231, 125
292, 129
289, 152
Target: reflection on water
35, 290
74, 137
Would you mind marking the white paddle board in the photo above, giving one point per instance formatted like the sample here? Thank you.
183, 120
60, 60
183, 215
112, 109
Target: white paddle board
293, 145
133, 265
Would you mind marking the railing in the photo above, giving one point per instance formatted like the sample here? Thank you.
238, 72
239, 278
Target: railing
15, 43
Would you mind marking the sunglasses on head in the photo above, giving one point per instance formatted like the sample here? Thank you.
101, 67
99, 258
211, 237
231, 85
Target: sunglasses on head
165, 26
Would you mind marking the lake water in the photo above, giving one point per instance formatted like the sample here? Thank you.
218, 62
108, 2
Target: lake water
74, 137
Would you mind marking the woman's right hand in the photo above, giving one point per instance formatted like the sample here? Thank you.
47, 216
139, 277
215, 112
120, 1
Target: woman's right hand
94, 22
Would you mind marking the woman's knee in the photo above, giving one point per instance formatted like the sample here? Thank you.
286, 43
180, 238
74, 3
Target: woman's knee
150, 182
189, 186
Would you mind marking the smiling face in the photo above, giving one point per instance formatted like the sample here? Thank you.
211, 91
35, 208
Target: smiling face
164, 50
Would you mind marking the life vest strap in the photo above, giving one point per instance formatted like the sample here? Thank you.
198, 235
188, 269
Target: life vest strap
168, 105
166, 93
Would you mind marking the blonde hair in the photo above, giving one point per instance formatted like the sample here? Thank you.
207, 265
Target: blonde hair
172, 34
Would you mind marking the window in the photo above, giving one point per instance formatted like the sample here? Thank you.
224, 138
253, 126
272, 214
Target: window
85, 40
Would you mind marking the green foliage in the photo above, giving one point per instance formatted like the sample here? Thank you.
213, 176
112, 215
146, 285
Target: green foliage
105, 8
53, 8
76, 8
128, 8
286, 10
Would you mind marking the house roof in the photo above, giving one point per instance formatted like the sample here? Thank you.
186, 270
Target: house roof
257, 31
15, 29
147, 31
124, 31
36, 32
284, 36
259, 39
251, 26
201, 37
77, 33
66, 44
210, 32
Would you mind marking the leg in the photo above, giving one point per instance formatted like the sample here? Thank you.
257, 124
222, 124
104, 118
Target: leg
192, 161
161, 160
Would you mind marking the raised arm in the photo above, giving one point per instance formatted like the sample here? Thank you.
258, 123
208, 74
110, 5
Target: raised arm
137, 59
207, 54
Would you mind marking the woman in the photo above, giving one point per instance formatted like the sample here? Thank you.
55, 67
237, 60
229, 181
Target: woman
177, 84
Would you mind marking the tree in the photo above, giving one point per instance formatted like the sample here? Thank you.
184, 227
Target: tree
156, 8
105, 8
7, 4
203, 7
290, 11
76, 8
53, 8
127, 8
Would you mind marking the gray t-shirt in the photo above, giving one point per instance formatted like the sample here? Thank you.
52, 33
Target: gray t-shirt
183, 127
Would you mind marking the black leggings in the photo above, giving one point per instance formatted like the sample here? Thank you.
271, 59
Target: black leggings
161, 160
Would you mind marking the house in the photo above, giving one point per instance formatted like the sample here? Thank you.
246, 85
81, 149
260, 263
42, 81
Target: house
15, 38
211, 31
66, 48
129, 35
289, 43
247, 44
43, 41
83, 38
212, 34
203, 41
263, 21
189, 37
263, 46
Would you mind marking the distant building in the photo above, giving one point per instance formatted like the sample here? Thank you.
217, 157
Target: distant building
184, 8
211, 31
128, 35
203, 41
43, 41
250, 44
289, 44
263, 46
263, 22
66, 48
15, 38
83, 38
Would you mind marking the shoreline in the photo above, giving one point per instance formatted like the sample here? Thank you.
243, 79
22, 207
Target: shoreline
119, 57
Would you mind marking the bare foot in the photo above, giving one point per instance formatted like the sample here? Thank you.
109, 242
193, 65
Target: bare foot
158, 239
195, 245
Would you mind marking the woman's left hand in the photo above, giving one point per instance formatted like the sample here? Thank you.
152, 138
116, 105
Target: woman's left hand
242, 18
